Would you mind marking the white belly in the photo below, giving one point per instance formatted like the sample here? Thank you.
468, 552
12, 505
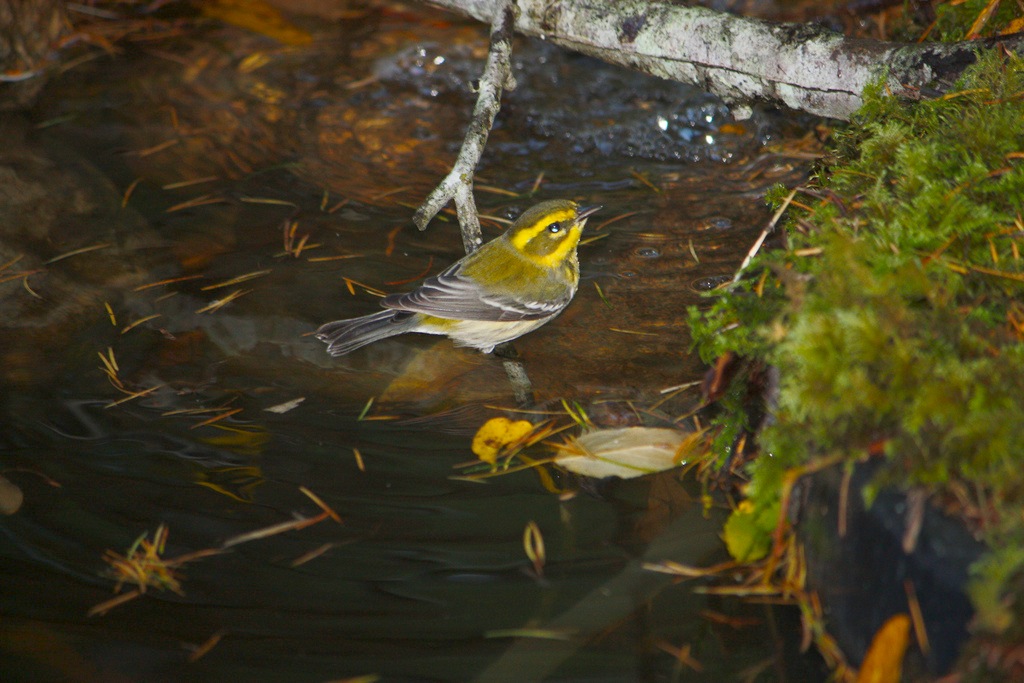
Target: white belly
484, 335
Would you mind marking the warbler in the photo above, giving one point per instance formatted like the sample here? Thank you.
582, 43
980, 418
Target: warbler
509, 286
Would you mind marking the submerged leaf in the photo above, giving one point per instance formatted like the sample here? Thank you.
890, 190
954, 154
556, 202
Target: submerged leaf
11, 497
628, 452
258, 16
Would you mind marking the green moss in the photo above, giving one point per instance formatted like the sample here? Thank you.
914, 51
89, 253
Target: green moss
897, 336
990, 576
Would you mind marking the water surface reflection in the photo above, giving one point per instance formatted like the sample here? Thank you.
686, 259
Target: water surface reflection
173, 262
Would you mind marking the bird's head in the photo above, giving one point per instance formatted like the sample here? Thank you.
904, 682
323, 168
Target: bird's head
549, 232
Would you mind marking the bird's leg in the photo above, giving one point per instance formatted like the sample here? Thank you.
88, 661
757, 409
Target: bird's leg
522, 388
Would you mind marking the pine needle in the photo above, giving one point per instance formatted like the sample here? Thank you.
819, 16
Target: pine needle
220, 303
217, 418
154, 149
237, 280
200, 651
311, 555
168, 282
365, 410
134, 395
76, 252
129, 191
274, 529
196, 202
321, 504
268, 200
133, 325
188, 183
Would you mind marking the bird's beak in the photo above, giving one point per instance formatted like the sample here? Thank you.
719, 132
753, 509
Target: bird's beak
584, 213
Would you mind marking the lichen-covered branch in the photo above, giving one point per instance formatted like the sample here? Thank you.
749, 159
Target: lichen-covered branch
741, 60
458, 184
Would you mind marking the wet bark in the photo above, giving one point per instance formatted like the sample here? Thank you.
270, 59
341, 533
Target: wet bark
742, 60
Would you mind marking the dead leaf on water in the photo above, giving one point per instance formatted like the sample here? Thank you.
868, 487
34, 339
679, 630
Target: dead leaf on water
498, 436
627, 452
884, 660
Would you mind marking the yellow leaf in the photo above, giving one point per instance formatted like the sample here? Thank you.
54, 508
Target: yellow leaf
497, 435
884, 660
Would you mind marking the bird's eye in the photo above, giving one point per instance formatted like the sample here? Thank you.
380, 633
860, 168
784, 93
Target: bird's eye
555, 228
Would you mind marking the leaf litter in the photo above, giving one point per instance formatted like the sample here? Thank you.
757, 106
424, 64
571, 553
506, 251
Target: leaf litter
144, 566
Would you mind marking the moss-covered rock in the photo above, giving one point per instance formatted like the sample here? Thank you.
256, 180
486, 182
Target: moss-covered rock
894, 314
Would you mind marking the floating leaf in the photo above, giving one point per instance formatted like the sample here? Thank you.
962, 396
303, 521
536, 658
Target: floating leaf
884, 660
748, 532
499, 435
627, 452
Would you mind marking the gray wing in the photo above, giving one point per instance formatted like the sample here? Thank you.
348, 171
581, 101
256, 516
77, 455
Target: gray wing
451, 295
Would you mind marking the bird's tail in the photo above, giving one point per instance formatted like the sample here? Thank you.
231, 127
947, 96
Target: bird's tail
343, 336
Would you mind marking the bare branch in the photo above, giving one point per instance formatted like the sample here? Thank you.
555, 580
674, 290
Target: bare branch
458, 184
741, 60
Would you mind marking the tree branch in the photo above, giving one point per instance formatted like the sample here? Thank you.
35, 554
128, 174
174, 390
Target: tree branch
458, 184
741, 60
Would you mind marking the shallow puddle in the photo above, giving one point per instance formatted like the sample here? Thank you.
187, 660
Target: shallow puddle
181, 217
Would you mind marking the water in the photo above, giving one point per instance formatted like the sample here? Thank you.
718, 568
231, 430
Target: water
426, 578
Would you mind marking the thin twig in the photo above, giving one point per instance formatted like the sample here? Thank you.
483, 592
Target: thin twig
764, 234
458, 184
